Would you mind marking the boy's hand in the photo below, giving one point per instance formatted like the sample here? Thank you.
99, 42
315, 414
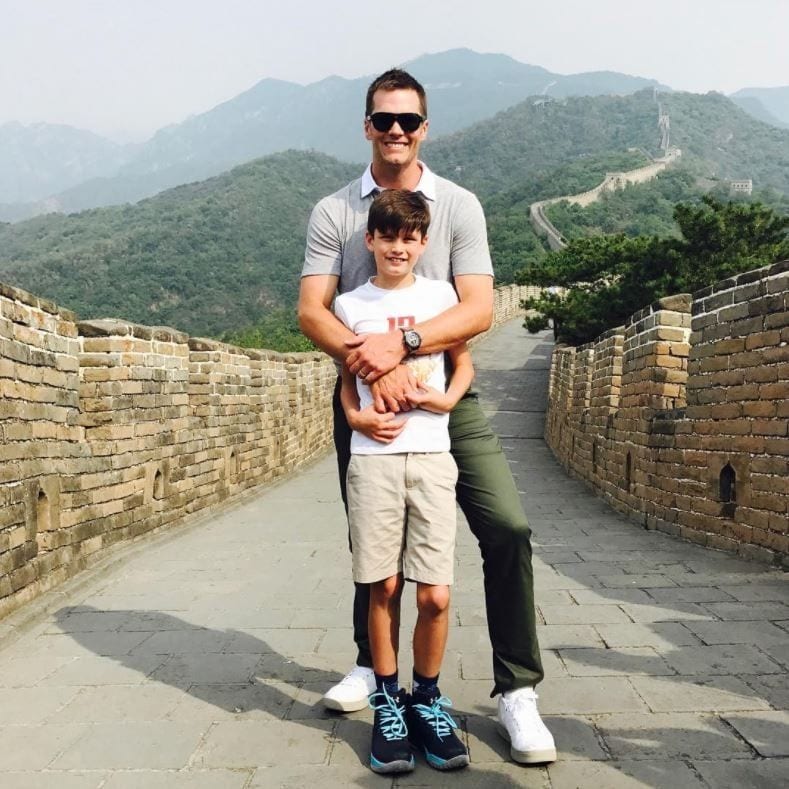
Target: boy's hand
431, 399
373, 355
384, 428
391, 391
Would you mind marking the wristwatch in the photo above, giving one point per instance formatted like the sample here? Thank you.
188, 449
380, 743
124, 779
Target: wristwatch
412, 339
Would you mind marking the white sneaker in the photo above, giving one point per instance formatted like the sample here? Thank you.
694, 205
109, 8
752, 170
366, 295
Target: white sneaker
352, 691
520, 724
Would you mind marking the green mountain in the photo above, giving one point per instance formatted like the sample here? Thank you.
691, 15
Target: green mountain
536, 136
463, 87
216, 255
204, 257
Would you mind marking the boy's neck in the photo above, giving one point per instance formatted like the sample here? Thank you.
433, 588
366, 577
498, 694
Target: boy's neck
394, 283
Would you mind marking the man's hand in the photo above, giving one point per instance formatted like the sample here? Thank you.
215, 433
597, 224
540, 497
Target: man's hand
384, 428
392, 390
375, 354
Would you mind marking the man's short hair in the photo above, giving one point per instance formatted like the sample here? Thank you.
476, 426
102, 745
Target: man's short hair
395, 79
398, 210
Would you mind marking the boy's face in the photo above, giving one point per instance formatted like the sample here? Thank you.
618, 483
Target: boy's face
396, 254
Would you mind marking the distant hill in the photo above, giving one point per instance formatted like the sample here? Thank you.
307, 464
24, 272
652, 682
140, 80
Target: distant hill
463, 87
754, 107
213, 256
41, 159
534, 137
774, 100
203, 257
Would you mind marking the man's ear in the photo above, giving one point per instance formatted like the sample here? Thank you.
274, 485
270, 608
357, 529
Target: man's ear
367, 132
368, 239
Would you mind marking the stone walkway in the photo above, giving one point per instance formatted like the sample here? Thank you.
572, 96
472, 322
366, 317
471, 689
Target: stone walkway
196, 660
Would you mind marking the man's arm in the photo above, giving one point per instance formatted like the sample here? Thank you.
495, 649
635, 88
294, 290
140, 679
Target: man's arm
316, 319
472, 315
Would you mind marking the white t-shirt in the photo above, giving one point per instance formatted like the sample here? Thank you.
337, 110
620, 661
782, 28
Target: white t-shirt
372, 310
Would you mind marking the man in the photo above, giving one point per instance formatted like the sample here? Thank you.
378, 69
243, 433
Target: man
337, 260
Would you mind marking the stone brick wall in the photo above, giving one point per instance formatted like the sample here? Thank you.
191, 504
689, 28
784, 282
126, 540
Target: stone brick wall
679, 418
109, 430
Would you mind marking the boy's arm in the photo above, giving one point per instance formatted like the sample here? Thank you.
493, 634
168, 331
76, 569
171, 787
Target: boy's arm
472, 315
432, 399
379, 427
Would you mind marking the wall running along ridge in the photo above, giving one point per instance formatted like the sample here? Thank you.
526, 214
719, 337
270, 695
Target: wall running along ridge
679, 419
109, 430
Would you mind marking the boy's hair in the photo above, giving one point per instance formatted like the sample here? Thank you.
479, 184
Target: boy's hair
395, 79
396, 210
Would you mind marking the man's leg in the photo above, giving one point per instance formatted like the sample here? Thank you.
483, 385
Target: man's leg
351, 693
361, 600
489, 499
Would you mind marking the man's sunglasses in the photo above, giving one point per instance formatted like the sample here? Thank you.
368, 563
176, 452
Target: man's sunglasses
408, 121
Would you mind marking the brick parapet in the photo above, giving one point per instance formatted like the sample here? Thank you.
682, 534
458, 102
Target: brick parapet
693, 439
111, 429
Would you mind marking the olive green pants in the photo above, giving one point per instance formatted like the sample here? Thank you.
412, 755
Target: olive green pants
489, 499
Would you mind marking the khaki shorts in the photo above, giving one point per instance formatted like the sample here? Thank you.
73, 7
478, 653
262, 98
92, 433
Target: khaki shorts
402, 515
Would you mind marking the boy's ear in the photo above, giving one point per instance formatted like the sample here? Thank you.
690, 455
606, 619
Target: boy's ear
424, 240
368, 239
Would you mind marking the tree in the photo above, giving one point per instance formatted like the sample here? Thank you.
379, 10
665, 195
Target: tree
608, 278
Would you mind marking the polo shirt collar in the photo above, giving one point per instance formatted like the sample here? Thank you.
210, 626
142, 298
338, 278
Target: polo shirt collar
426, 186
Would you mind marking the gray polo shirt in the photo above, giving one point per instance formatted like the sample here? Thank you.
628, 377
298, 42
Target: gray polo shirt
458, 241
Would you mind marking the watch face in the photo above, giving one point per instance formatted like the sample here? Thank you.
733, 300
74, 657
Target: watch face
412, 339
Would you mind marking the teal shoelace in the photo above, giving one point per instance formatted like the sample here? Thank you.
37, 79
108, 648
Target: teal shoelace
393, 725
437, 716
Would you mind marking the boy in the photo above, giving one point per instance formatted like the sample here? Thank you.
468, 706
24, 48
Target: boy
401, 489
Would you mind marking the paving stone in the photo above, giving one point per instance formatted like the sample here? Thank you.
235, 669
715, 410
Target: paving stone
609, 597
53, 779
690, 594
479, 665
567, 636
34, 747
326, 777
92, 644
721, 659
117, 670
664, 735
582, 614
750, 611
741, 773
665, 613
588, 696
661, 635
623, 581
601, 662
624, 775
24, 672
738, 632
120, 704
182, 779
775, 590
256, 743
696, 694
208, 669
29, 706
496, 776
148, 744
767, 732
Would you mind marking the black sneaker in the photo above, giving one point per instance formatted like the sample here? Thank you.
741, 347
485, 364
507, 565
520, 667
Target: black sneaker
390, 751
432, 730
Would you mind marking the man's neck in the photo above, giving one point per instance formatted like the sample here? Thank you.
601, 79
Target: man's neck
394, 177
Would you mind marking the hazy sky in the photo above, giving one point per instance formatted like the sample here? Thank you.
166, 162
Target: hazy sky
135, 65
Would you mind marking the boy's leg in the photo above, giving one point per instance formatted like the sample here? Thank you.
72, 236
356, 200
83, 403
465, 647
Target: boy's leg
384, 623
432, 626
489, 499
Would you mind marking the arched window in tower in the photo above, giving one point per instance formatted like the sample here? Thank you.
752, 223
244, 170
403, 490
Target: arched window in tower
728, 484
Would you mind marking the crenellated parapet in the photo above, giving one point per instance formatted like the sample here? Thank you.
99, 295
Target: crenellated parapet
679, 419
110, 430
